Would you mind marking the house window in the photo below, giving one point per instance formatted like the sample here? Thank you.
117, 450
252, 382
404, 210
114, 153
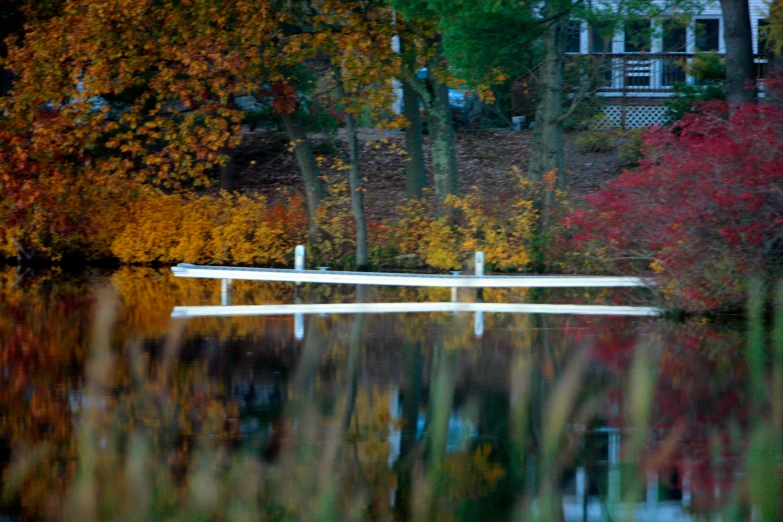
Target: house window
707, 34
574, 36
601, 37
674, 36
638, 37
674, 41
762, 35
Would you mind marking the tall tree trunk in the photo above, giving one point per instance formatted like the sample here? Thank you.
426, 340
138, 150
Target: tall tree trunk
357, 193
442, 143
740, 69
435, 97
228, 172
415, 172
314, 190
548, 136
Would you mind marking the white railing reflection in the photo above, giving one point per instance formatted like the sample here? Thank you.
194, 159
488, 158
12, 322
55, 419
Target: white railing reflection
478, 310
383, 308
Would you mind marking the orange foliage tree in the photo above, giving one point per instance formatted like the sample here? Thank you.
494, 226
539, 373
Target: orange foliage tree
113, 94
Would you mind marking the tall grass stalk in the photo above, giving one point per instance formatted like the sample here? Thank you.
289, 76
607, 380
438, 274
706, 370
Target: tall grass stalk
764, 457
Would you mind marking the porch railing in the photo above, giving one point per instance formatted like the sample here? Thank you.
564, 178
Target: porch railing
638, 74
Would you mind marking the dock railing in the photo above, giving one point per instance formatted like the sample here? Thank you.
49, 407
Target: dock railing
457, 280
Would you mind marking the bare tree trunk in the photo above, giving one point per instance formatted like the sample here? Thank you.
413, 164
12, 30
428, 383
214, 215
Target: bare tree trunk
548, 136
415, 172
442, 143
228, 172
357, 194
314, 190
740, 68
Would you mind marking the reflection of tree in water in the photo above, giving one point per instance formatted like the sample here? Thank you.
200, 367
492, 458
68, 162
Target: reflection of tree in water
324, 411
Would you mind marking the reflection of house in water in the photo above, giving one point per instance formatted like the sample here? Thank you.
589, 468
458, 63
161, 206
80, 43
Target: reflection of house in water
259, 398
601, 487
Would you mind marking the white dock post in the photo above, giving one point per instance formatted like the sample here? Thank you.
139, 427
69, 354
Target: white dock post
299, 321
225, 292
478, 324
299, 326
299, 257
454, 289
479, 263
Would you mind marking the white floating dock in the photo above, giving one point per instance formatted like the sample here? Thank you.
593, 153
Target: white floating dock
390, 279
381, 308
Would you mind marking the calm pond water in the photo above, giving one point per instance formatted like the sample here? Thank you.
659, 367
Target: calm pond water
111, 410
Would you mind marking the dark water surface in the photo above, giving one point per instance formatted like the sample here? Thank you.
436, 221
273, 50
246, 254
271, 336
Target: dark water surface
111, 410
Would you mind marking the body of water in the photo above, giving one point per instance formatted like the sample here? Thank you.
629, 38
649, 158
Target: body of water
112, 410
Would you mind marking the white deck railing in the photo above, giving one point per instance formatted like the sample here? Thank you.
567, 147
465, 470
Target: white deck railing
456, 280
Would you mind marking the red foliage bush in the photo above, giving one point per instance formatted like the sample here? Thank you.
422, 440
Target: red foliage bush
703, 211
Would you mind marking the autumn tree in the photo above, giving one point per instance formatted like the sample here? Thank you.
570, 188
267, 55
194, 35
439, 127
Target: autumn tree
115, 93
15, 15
702, 213
357, 36
288, 108
556, 104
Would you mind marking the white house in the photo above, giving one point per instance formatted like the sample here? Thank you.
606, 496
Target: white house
644, 58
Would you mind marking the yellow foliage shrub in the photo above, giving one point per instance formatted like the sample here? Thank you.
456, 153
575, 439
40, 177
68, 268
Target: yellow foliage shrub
430, 240
152, 228
504, 234
336, 244
145, 225
224, 229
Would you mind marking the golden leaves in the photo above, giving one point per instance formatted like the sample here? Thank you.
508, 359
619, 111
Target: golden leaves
226, 229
